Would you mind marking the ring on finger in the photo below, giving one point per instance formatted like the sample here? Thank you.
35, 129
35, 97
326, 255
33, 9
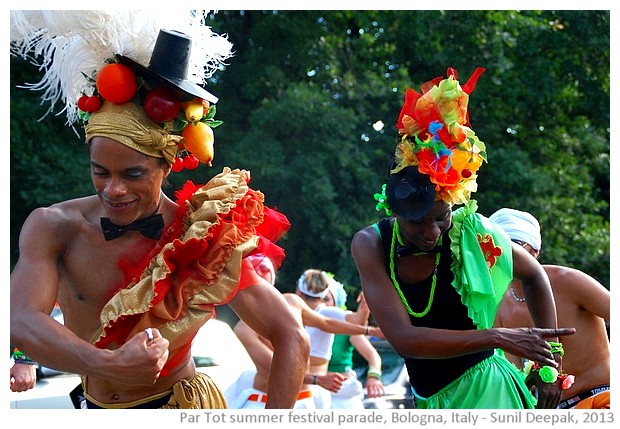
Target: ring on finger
149, 334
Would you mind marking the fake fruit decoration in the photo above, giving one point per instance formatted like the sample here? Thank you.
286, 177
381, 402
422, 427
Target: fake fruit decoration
89, 103
195, 109
190, 162
117, 83
178, 164
198, 139
162, 104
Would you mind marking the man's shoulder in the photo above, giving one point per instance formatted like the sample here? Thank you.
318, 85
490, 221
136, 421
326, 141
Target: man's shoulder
64, 212
563, 277
558, 273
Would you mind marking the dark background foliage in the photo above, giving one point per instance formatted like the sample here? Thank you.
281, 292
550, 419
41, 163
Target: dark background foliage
301, 95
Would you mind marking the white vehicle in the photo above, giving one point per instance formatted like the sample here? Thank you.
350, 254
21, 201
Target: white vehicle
216, 350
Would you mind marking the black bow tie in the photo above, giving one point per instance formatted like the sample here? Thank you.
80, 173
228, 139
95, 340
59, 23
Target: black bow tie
402, 251
150, 226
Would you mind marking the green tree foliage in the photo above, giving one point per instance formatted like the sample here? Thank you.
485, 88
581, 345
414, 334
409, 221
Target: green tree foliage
48, 159
301, 95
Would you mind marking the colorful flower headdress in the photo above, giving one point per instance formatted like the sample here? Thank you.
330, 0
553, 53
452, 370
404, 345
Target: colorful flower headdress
435, 136
93, 63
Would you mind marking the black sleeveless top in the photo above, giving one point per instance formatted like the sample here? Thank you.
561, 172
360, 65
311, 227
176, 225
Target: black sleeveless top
428, 376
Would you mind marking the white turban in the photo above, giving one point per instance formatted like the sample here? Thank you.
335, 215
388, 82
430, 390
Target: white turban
519, 225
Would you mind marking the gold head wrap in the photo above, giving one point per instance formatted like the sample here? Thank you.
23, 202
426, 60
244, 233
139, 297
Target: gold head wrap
128, 124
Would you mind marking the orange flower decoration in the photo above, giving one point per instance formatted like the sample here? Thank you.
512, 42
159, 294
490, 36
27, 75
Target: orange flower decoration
435, 136
490, 251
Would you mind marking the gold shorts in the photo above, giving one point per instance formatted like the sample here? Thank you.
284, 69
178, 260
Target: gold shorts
199, 392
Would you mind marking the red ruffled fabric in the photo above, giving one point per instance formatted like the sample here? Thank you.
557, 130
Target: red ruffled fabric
176, 287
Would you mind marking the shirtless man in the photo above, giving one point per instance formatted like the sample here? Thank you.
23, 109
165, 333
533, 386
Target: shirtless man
64, 257
132, 303
581, 302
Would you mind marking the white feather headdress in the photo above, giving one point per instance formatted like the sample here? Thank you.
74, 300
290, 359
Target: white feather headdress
72, 46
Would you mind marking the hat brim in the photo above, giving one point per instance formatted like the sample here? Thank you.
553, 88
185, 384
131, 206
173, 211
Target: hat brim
181, 84
410, 194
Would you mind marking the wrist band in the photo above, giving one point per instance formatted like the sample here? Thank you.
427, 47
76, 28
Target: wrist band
549, 374
374, 373
314, 379
19, 357
367, 330
556, 348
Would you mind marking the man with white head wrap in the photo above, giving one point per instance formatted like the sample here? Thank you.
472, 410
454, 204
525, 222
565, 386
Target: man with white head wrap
581, 302
519, 225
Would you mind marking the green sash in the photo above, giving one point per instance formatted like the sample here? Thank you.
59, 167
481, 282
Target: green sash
481, 263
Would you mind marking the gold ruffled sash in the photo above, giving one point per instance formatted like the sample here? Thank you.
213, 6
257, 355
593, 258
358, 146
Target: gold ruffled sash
196, 264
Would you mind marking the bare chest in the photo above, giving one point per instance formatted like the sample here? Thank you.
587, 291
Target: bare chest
90, 274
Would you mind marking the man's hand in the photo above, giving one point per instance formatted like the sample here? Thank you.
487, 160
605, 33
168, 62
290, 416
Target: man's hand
140, 360
331, 381
23, 377
375, 331
531, 343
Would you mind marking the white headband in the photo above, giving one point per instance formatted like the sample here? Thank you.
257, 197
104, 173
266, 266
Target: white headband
519, 225
303, 287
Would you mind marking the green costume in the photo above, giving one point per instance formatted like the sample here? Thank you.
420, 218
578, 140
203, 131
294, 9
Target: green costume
481, 269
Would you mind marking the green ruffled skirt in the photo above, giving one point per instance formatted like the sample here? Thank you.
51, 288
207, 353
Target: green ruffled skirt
494, 383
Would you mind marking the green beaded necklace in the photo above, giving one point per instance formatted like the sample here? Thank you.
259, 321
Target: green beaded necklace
396, 235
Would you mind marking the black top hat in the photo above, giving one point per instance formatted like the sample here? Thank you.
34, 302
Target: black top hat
170, 63
410, 194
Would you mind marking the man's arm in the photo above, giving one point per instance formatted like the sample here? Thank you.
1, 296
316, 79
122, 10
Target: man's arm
262, 355
541, 305
266, 312
332, 325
